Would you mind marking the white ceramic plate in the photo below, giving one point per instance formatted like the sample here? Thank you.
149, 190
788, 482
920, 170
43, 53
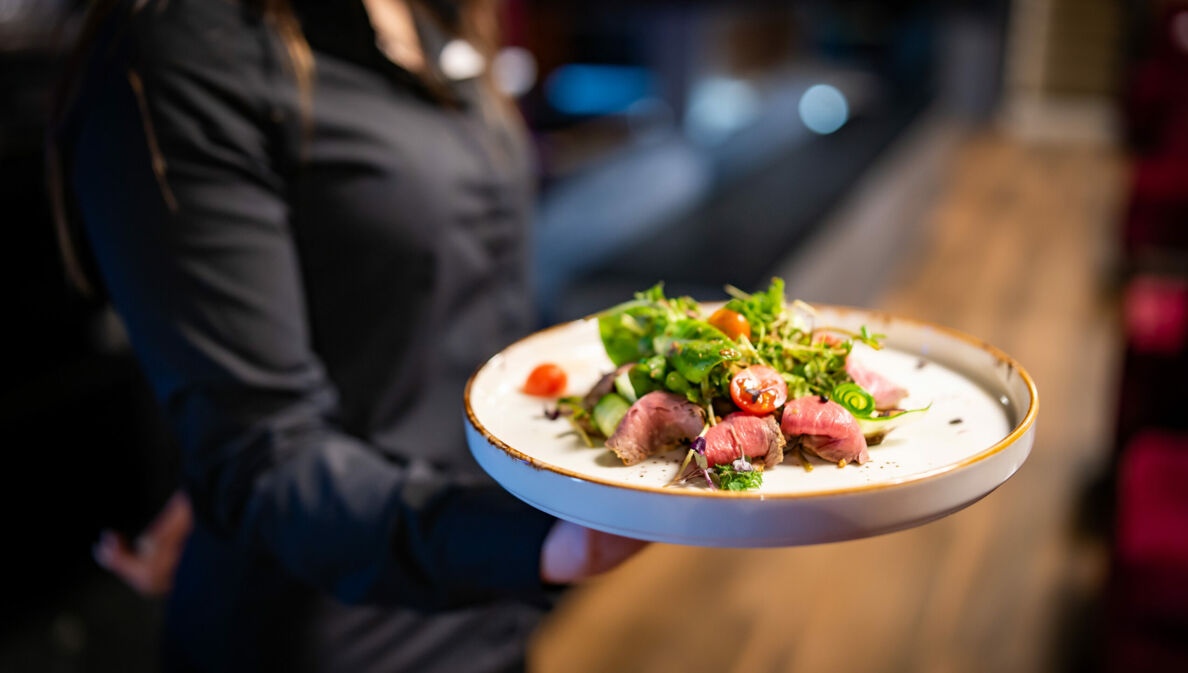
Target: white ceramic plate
976, 435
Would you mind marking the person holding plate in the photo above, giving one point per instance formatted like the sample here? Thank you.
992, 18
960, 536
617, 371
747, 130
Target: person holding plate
313, 234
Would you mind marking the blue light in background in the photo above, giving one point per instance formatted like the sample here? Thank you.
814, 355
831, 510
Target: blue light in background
719, 107
586, 89
823, 109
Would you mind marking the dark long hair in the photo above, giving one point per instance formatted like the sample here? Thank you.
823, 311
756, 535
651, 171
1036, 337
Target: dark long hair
473, 20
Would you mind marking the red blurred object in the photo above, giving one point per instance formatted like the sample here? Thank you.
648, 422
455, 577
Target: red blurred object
1156, 314
1153, 508
1155, 233
1147, 599
547, 380
1157, 120
1148, 595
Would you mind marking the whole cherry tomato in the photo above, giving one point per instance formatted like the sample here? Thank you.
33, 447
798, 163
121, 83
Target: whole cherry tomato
732, 324
758, 389
547, 380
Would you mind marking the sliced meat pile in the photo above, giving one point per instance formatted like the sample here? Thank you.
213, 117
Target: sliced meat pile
657, 422
886, 394
826, 429
743, 434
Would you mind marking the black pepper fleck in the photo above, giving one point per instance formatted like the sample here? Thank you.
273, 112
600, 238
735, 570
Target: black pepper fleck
955, 421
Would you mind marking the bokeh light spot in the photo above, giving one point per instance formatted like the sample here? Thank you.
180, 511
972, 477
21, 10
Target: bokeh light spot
823, 109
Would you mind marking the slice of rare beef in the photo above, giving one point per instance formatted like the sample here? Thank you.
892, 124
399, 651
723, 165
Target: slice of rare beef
825, 428
742, 434
657, 422
886, 393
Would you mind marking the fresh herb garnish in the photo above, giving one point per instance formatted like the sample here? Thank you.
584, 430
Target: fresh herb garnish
695, 465
579, 418
738, 477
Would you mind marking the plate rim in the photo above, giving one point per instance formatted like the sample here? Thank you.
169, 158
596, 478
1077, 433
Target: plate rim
1018, 431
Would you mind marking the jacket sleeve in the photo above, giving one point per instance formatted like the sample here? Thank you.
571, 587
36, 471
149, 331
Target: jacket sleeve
173, 177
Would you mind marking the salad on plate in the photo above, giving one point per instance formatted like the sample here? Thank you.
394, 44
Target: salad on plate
743, 387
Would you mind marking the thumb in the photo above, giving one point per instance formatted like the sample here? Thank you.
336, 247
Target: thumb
113, 553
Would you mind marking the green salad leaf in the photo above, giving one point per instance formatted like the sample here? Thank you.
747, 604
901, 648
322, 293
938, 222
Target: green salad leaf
694, 359
627, 331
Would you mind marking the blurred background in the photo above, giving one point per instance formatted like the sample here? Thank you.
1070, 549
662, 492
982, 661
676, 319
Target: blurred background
1014, 168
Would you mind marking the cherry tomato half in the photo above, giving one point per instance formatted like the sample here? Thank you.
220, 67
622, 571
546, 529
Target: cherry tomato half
732, 324
547, 380
758, 389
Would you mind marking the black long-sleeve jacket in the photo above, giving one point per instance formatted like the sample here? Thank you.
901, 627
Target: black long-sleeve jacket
307, 289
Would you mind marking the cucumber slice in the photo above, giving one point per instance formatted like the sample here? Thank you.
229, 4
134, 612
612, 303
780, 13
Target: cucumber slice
609, 411
624, 387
